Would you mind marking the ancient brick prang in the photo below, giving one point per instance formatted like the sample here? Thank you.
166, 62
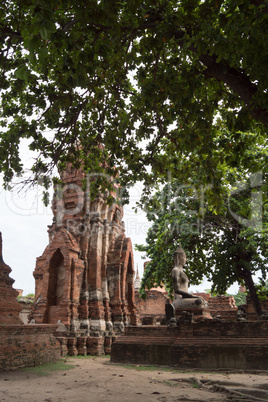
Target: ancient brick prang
85, 276
9, 307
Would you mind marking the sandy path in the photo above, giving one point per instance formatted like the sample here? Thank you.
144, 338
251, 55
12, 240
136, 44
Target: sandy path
95, 379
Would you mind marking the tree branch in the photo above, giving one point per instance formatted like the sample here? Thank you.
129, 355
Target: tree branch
238, 81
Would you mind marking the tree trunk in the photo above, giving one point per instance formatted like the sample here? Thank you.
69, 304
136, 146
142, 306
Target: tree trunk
252, 291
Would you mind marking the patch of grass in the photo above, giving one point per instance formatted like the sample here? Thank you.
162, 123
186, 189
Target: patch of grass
49, 368
81, 357
88, 357
195, 384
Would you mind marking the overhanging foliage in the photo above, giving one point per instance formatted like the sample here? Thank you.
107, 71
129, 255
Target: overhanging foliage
145, 78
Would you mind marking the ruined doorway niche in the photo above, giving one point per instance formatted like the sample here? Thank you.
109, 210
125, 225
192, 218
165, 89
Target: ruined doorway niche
56, 279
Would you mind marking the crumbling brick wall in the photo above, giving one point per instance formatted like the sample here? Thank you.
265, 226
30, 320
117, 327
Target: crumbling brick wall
250, 311
223, 306
152, 306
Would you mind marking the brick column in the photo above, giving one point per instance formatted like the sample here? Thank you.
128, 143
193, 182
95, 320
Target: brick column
96, 310
105, 292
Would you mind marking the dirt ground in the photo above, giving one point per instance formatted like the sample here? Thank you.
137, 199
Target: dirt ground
96, 379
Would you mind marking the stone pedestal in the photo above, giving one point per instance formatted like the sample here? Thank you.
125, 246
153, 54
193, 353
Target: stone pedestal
194, 312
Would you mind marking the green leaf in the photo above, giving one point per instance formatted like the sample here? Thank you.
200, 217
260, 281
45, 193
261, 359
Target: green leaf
22, 73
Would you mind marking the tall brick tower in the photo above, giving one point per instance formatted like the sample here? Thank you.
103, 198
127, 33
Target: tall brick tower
85, 276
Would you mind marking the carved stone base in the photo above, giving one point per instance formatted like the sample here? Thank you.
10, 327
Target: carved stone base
194, 312
190, 303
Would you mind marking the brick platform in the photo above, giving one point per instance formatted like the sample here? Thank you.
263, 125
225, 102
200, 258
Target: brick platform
226, 345
27, 345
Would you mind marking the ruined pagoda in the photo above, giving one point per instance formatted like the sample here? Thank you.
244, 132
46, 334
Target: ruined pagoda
9, 307
85, 276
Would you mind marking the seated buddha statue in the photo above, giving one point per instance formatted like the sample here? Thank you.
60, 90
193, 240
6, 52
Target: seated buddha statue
182, 298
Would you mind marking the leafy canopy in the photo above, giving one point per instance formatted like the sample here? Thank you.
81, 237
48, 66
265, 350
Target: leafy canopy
145, 78
227, 247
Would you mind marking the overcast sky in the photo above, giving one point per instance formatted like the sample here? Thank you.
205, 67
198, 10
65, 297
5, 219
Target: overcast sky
24, 220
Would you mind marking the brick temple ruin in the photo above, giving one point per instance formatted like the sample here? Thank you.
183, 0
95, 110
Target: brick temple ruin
85, 297
84, 278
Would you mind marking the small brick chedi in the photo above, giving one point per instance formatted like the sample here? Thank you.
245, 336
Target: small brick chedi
85, 276
9, 307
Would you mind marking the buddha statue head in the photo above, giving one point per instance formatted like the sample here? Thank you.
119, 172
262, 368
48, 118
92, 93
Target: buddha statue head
179, 257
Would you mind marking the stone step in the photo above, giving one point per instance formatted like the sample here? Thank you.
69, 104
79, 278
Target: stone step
146, 340
173, 340
221, 341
